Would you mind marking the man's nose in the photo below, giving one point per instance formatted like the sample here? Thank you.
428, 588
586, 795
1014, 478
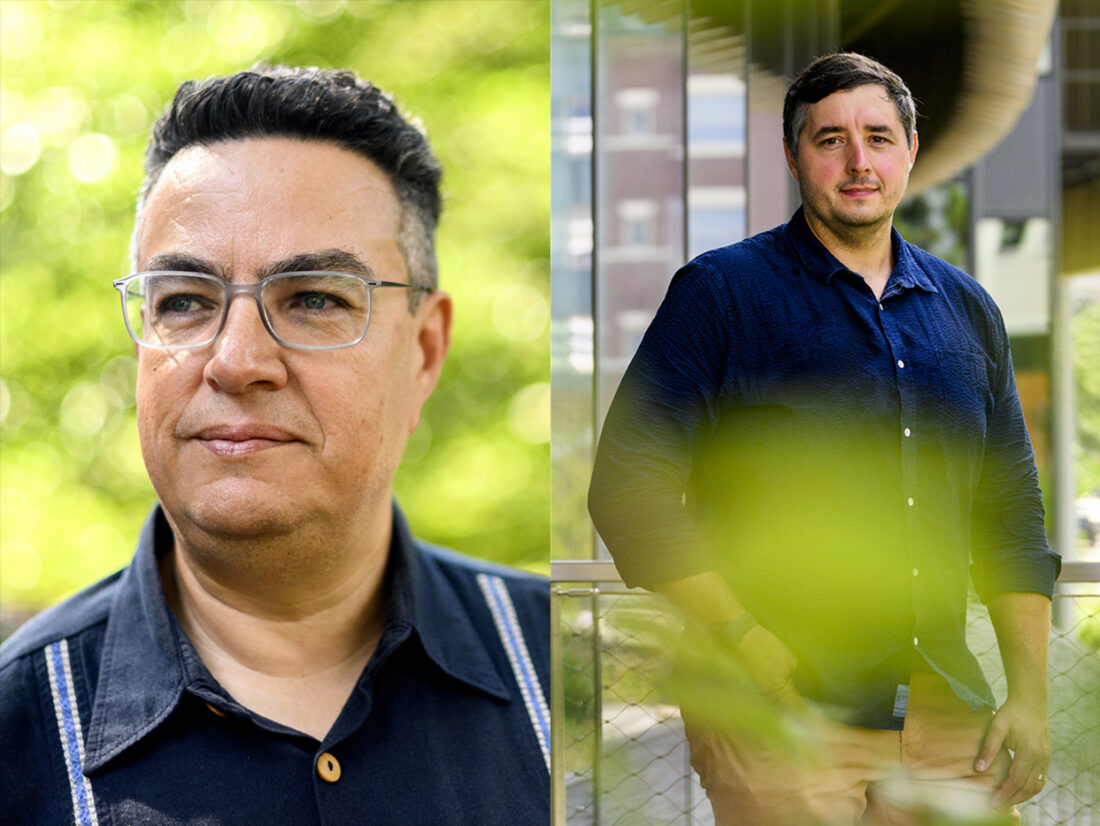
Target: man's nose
858, 159
245, 354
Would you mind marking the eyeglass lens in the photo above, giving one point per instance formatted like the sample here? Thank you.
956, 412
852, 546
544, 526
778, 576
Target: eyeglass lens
312, 310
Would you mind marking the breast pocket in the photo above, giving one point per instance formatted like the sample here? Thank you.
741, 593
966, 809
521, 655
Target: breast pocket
965, 392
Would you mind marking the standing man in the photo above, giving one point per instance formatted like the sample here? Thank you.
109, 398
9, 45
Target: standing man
818, 433
282, 649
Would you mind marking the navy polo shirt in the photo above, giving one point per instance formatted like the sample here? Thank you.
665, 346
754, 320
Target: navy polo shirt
109, 716
845, 461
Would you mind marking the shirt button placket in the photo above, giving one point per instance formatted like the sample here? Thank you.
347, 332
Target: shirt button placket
908, 458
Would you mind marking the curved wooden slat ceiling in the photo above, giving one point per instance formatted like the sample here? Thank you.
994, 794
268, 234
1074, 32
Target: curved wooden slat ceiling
971, 64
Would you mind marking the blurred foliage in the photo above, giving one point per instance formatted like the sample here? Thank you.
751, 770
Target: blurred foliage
82, 82
571, 529
1085, 328
938, 221
626, 662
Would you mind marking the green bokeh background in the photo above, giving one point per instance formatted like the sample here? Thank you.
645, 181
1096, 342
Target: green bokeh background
81, 83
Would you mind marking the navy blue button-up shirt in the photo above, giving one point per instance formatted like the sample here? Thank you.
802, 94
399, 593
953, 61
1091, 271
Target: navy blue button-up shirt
841, 459
109, 716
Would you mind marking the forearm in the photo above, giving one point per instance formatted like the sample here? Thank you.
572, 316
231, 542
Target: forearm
706, 599
1022, 623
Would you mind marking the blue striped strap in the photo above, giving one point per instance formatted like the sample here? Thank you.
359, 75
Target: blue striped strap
511, 635
68, 727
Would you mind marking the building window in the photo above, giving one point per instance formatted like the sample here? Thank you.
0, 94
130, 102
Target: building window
638, 222
639, 111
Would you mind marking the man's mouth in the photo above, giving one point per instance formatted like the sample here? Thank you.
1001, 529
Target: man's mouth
858, 190
242, 439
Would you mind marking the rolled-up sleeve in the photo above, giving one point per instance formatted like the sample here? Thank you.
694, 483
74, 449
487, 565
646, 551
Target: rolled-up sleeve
665, 403
1009, 545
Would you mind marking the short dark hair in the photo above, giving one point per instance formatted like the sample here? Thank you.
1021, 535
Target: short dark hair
836, 73
312, 104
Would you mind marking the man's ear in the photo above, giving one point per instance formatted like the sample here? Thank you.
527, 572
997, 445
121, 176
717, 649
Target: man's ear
791, 164
913, 151
432, 332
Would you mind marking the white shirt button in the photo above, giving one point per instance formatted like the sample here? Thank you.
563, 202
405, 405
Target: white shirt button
901, 364
916, 641
908, 432
880, 305
916, 572
910, 501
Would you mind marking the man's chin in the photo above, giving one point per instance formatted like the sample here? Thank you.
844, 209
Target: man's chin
217, 524
238, 509
862, 216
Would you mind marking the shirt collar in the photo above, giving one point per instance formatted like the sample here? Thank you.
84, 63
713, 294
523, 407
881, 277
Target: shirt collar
422, 597
823, 265
147, 662
140, 671
908, 273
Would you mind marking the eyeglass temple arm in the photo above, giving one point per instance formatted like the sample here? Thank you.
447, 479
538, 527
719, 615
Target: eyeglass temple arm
423, 287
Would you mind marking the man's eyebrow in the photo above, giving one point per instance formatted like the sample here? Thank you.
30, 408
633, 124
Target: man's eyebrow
873, 128
181, 262
828, 130
330, 259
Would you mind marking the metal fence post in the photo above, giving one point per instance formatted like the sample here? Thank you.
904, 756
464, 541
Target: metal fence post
557, 714
597, 707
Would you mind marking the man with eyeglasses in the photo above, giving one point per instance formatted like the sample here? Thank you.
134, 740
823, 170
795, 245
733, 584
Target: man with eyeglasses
281, 649
818, 434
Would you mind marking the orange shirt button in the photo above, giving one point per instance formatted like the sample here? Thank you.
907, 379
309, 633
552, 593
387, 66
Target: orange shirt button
328, 767
217, 711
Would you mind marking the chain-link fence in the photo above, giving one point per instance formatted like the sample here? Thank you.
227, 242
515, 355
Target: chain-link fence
620, 754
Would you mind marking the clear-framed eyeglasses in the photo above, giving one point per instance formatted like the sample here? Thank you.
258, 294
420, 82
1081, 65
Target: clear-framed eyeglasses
304, 310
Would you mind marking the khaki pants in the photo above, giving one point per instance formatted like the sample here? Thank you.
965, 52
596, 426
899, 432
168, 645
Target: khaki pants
847, 775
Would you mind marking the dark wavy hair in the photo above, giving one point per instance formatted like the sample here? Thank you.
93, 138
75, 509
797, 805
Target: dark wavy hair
837, 73
312, 104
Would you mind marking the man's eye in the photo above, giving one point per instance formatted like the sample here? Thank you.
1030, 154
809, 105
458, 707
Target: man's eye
317, 302
179, 304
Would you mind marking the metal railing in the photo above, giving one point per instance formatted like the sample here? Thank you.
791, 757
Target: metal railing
618, 749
